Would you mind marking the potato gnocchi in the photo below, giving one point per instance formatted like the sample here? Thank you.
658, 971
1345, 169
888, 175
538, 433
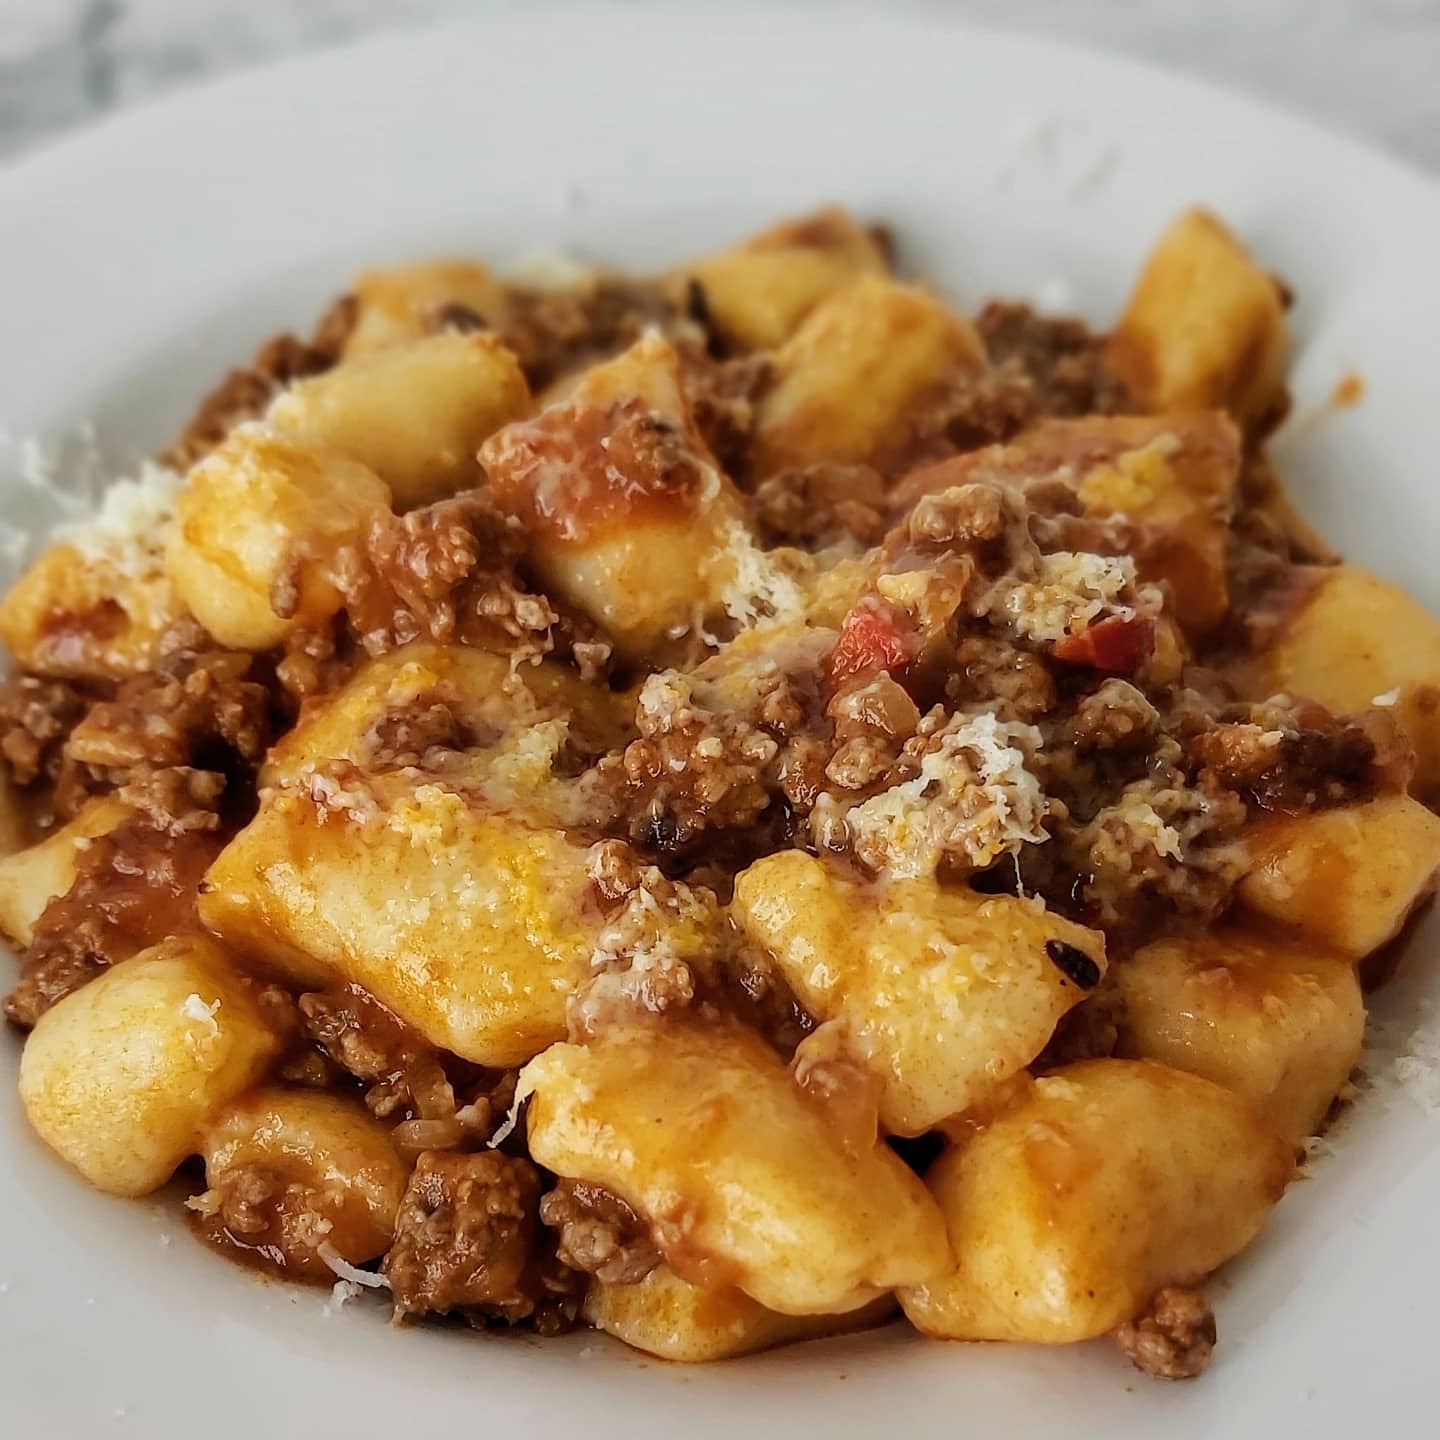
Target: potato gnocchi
723, 805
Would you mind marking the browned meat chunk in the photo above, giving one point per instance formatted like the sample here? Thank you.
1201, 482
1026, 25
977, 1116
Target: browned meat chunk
465, 1237
1062, 359
36, 718
599, 1233
133, 888
1173, 1339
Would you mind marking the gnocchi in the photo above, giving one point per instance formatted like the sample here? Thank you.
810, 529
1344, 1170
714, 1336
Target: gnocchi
469, 926
414, 414
848, 378
257, 525
1346, 878
1279, 1022
329, 1179
1205, 326
1355, 641
1106, 1181
757, 292
630, 519
720, 804
778, 1206
943, 994
121, 1078
666, 1316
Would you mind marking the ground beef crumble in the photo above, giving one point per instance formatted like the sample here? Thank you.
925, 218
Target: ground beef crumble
468, 1238
436, 1100
280, 1224
821, 506
692, 770
36, 718
555, 332
599, 1234
198, 709
1062, 359
132, 888
1173, 1338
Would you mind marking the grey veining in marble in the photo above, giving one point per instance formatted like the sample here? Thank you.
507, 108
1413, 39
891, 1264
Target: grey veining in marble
1363, 66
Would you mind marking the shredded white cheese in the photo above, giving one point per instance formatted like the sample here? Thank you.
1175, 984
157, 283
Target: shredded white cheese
975, 797
132, 525
1070, 590
1403, 1056
512, 1116
197, 1010
346, 1271
1143, 819
342, 1292
551, 270
756, 588
1419, 1070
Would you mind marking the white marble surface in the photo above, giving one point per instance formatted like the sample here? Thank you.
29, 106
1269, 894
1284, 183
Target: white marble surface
1365, 66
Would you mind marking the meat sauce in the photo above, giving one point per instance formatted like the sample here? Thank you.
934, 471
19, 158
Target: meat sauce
955, 610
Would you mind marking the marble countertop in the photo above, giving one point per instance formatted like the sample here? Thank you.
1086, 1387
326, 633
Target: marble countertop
1363, 66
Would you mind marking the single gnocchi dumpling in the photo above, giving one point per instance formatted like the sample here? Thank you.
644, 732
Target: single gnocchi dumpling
744, 1181
94, 605
666, 1316
1281, 1022
415, 414
758, 291
1346, 878
1205, 327
405, 302
423, 695
1355, 641
1102, 1183
296, 1175
31, 878
942, 993
471, 926
628, 517
260, 523
848, 380
120, 1078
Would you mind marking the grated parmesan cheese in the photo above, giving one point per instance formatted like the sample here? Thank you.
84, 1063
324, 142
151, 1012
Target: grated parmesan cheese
757, 588
975, 796
342, 1292
132, 526
1070, 590
552, 270
1418, 1071
502, 1133
1143, 819
348, 1272
197, 1010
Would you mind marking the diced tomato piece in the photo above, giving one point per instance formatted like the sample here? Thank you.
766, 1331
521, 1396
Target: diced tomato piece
1119, 644
872, 637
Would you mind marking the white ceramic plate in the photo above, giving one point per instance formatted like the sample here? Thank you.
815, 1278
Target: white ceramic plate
136, 262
